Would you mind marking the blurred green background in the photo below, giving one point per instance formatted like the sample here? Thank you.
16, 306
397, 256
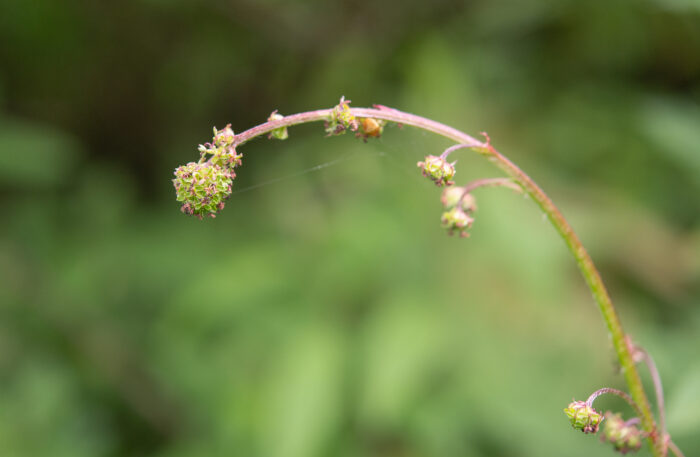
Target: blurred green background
326, 313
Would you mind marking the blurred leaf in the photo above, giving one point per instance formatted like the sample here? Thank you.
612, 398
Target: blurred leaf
679, 5
403, 349
304, 396
34, 155
684, 406
675, 128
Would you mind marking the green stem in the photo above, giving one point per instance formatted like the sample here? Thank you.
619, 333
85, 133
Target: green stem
583, 259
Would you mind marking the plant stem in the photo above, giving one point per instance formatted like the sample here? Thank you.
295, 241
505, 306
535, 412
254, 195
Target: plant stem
619, 393
583, 259
677, 452
453, 148
658, 388
492, 182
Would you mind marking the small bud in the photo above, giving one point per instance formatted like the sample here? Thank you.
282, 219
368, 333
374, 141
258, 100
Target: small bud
371, 128
452, 196
341, 119
438, 169
457, 220
280, 133
583, 417
624, 436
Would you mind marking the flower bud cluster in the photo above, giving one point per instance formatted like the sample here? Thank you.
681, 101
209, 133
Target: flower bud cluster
203, 186
438, 169
624, 436
454, 195
583, 417
341, 119
458, 209
456, 220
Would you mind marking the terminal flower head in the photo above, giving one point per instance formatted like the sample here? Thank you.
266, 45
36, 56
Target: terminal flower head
202, 188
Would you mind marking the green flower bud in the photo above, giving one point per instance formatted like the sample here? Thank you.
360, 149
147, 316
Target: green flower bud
452, 195
624, 436
583, 417
438, 169
341, 119
280, 133
456, 220
202, 188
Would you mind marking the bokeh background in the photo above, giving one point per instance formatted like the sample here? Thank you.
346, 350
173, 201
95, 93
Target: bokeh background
325, 312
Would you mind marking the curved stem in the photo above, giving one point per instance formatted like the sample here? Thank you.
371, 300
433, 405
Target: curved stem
672, 446
492, 182
488, 182
453, 148
633, 421
619, 393
658, 388
583, 259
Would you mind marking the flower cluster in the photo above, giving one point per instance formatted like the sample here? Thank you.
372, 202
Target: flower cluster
454, 195
458, 210
457, 220
583, 417
439, 170
203, 186
623, 435
341, 119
